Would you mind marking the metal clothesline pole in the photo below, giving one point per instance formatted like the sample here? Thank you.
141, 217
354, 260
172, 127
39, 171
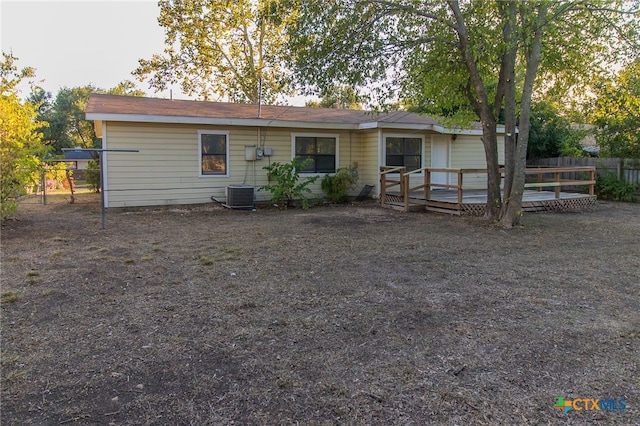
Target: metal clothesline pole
100, 151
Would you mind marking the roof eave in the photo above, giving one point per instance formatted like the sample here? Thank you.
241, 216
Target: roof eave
263, 122
396, 126
253, 122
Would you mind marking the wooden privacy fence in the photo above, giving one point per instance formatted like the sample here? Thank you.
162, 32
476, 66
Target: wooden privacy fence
626, 169
396, 190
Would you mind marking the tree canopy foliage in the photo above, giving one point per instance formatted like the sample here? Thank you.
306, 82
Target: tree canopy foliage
481, 57
552, 134
339, 97
616, 112
230, 49
63, 118
20, 146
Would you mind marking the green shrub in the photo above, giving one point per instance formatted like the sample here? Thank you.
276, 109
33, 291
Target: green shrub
288, 186
609, 187
93, 175
336, 186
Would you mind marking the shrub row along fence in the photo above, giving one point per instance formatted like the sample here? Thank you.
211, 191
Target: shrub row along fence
625, 169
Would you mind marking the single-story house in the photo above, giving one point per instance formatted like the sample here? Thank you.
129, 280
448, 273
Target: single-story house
189, 151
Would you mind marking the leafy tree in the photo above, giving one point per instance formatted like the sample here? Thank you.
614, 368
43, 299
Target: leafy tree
20, 142
551, 134
230, 49
126, 88
67, 126
64, 117
481, 57
616, 112
339, 97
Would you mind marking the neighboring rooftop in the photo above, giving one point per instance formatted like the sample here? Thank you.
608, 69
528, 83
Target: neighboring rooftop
78, 155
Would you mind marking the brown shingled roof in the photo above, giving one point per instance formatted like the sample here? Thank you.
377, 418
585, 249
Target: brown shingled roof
129, 105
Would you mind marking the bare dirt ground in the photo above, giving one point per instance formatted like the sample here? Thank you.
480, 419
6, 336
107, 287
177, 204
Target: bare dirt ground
350, 315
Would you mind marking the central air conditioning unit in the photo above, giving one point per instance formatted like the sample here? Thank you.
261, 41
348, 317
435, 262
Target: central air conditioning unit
240, 196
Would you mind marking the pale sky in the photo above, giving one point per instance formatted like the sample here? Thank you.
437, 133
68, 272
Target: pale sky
75, 43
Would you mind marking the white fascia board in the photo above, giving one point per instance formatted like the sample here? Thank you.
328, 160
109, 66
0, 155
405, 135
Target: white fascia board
397, 126
254, 122
449, 131
369, 125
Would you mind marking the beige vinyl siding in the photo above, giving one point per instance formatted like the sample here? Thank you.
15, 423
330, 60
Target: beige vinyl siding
467, 152
351, 153
368, 165
166, 170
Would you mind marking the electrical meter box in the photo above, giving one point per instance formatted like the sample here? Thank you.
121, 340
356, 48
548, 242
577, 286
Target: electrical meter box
250, 153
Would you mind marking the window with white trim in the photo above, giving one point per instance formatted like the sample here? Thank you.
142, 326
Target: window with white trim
403, 151
320, 149
214, 153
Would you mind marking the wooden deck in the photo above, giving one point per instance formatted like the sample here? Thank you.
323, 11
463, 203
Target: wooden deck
474, 201
454, 199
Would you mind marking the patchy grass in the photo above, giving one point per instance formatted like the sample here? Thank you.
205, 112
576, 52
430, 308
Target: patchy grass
337, 315
9, 296
56, 254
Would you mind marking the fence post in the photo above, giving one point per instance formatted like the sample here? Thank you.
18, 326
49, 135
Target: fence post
619, 172
557, 191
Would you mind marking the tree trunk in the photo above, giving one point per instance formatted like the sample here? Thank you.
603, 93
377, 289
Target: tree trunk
71, 183
507, 78
490, 142
480, 103
513, 213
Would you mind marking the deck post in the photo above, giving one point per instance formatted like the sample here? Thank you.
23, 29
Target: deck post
539, 180
405, 190
557, 189
383, 187
427, 184
592, 178
460, 189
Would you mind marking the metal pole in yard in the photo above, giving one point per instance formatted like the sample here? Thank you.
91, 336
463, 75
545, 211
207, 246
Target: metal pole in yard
104, 213
100, 157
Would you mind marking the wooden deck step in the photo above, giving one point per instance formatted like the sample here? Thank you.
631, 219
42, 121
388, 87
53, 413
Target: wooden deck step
400, 206
442, 210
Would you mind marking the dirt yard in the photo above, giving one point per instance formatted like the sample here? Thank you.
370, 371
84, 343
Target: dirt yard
351, 315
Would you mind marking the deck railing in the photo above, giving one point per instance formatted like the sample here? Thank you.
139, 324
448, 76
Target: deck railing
544, 177
556, 181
